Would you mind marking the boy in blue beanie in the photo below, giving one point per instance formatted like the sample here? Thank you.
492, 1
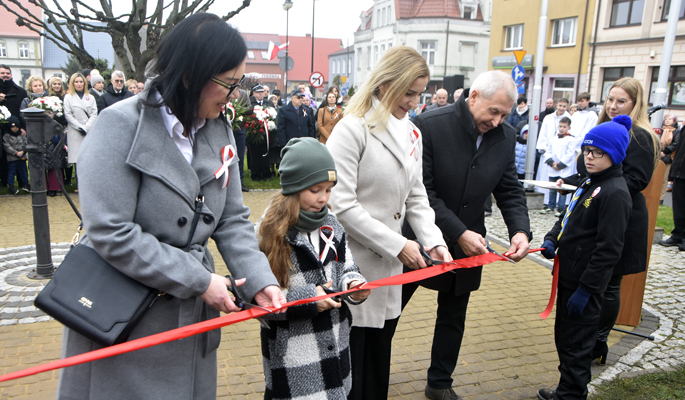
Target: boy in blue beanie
589, 239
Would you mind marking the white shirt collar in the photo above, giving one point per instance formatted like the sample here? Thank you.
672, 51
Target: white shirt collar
175, 129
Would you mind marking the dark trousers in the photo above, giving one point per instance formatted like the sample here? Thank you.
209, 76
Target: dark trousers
611, 305
370, 350
447, 337
678, 196
488, 204
17, 168
575, 338
240, 144
3, 168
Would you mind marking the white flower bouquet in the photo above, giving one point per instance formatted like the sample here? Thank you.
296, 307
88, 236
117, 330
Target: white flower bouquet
4, 114
49, 103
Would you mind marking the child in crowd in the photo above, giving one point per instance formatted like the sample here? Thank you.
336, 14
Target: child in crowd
561, 155
521, 148
590, 239
15, 147
306, 351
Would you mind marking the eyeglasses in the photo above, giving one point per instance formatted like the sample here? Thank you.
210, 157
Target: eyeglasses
596, 153
228, 86
620, 103
118, 80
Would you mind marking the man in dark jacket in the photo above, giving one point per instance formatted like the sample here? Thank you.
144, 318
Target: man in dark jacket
468, 153
677, 176
257, 98
294, 120
11, 96
115, 91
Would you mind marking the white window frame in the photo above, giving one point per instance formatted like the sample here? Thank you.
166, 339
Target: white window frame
24, 51
250, 54
3, 49
349, 66
563, 89
265, 56
427, 50
384, 17
558, 25
368, 57
359, 58
510, 37
375, 55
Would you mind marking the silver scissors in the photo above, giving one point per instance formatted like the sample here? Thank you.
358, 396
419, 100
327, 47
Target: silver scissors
243, 304
491, 250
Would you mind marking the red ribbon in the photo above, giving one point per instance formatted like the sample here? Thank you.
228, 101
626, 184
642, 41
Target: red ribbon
329, 243
227, 155
200, 327
553, 295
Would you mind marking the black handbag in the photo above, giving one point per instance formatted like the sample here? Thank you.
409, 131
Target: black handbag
93, 298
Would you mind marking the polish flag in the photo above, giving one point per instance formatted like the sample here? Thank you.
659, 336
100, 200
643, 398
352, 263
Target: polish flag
273, 49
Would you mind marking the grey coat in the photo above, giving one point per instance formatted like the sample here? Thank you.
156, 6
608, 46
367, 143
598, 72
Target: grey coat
379, 186
80, 113
137, 196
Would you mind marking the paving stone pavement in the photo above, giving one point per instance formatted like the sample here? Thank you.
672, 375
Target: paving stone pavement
508, 351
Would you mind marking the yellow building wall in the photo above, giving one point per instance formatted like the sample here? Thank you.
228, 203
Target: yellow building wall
558, 60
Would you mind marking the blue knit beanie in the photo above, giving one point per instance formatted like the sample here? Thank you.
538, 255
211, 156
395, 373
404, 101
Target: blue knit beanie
612, 137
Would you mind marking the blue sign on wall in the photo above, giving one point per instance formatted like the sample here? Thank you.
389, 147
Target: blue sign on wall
518, 73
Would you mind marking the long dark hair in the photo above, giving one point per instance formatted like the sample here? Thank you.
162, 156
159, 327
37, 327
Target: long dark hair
195, 50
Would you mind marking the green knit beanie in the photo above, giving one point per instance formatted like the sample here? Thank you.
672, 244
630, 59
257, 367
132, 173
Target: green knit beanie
304, 163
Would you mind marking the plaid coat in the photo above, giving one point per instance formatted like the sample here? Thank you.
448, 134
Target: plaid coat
306, 353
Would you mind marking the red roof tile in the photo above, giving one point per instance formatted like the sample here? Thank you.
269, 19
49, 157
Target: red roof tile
8, 24
300, 50
405, 9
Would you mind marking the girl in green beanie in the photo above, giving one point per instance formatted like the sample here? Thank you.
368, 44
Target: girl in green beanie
306, 350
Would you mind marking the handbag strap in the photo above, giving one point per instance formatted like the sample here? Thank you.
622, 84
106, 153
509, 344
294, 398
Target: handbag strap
199, 201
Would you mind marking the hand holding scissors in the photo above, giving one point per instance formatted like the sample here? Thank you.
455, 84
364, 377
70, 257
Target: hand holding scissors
242, 304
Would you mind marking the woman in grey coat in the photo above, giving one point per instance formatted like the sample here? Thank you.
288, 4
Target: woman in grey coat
142, 166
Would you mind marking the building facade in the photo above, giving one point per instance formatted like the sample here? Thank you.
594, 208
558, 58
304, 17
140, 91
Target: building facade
515, 26
629, 41
452, 36
20, 48
340, 65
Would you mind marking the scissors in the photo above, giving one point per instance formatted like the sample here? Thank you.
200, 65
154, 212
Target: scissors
427, 258
242, 303
329, 291
491, 250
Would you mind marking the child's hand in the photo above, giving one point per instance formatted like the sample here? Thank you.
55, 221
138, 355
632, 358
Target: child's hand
549, 251
20, 154
325, 304
358, 295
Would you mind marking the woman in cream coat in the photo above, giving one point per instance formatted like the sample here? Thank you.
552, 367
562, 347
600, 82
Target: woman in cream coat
80, 110
377, 152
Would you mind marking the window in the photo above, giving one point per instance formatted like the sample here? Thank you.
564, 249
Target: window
563, 88
382, 49
375, 55
359, 58
384, 17
626, 12
250, 54
675, 95
264, 55
3, 49
513, 37
23, 50
564, 31
667, 10
389, 16
349, 66
368, 57
469, 12
611, 75
427, 50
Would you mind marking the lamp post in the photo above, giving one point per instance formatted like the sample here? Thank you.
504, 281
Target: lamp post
286, 6
313, 12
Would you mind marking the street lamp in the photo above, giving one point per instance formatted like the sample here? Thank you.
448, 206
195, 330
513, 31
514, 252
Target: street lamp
286, 6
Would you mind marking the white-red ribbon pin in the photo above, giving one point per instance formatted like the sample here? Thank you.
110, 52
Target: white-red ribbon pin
227, 155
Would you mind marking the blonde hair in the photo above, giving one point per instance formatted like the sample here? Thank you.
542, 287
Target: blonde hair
51, 91
638, 114
30, 81
282, 214
398, 69
131, 82
72, 89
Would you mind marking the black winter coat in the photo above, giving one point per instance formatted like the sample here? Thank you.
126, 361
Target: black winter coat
638, 167
593, 239
678, 166
13, 104
111, 96
458, 180
293, 123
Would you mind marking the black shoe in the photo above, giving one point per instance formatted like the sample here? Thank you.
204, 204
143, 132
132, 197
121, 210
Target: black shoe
244, 188
600, 352
52, 193
26, 188
13, 190
672, 241
681, 247
546, 394
441, 394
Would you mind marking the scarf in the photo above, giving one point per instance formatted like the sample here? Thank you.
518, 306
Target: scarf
80, 94
311, 221
572, 205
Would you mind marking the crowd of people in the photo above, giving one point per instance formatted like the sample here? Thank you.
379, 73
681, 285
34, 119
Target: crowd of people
369, 189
